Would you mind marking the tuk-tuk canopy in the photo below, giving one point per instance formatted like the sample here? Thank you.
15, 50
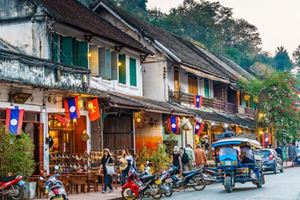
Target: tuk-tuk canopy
237, 141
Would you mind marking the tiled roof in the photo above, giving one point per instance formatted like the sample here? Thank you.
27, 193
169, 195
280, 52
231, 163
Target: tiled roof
74, 14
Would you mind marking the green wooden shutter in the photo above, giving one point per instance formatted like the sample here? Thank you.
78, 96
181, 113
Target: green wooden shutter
122, 68
108, 63
55, 47
83, 54
75, 52
206, 88
67, 51
114, 65
132, 66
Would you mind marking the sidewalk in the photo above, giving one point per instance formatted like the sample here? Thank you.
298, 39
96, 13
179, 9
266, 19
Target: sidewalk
116, 195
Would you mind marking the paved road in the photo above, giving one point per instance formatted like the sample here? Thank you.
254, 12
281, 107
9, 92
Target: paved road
284, 186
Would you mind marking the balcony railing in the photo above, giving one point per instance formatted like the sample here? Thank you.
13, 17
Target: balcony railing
216, 104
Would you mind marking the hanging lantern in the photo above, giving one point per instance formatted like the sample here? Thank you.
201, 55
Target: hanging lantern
255, 99
247, 97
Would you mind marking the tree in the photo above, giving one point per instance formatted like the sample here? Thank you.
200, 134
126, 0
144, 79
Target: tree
277, 101
296, 56
282, 61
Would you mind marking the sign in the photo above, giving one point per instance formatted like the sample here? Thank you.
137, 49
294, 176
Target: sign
14, 120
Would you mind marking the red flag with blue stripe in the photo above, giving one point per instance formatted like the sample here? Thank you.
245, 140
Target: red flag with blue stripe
198, 101
14, 120
72, 108
173, 124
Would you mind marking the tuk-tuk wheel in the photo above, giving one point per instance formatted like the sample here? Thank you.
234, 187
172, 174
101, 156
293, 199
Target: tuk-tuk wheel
228, 184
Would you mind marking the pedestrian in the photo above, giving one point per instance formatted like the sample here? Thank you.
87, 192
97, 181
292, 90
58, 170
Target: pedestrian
184, 160
176, 161
190, 152
200, 158
127, 162
106, 167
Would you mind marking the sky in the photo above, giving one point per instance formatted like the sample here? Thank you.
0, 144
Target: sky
278, 21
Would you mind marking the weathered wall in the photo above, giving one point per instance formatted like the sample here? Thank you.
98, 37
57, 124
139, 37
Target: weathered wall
147, 135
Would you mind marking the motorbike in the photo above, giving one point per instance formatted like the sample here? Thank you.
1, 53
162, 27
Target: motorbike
11, 187
141, 187
210, 175
166, 181
191, 179
55, 188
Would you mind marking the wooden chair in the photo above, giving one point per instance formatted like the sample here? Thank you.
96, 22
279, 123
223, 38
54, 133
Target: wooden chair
40, 188
78, 181
92, 182
65, 179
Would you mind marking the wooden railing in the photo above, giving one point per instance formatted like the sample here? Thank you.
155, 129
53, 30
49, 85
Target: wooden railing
216, 104
249, 112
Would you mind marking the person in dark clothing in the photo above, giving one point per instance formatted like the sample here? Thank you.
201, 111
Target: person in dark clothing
177, 158
127, 162
106, 161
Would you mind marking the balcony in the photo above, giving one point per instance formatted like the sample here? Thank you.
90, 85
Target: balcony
218, 105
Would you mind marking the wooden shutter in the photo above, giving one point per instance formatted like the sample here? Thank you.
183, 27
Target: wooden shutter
122, 68
206, 88
176, 81
55, 47
105, 63
132, 66
114, 65
193, 85
67, 50
83, 54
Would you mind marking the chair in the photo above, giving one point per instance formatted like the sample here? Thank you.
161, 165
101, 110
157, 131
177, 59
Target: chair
41, 188
65, 179
92, 182
78, 180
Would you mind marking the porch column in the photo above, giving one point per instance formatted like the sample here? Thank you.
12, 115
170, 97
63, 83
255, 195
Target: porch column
209, 140
44, 121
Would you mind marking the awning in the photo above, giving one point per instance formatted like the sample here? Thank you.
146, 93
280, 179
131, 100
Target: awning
118, 100
211, 116
202, 74
246, 122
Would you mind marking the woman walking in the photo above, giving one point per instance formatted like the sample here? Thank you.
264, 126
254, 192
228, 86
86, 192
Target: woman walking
106, 167
127, 162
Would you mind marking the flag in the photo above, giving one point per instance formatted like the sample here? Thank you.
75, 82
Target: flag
199, 126
14, 120
198, 101
72, 108
173, 124
93, 108
63, 120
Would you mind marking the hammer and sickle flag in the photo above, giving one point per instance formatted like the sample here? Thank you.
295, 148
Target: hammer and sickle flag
93, 108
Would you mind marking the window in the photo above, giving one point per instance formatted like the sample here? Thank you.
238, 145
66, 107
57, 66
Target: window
105, 63
122, 68
192, 84
132, 63
68, 50
206, 88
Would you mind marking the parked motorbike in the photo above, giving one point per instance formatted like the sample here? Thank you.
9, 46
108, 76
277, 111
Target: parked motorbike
144, 187
210, 175
191, 179
166, 181
11, 187
55, 188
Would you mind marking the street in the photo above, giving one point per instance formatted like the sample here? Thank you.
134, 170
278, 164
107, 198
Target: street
278, 187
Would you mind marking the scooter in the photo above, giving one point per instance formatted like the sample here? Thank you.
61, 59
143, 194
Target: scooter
54, 187
11, 187
166, 180
191, 179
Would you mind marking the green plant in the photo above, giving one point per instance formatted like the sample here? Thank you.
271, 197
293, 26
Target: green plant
160, 159
16, 154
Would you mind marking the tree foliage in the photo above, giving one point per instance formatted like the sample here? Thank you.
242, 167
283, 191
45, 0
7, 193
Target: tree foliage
277, 104
16, 154
296, 56
282, 61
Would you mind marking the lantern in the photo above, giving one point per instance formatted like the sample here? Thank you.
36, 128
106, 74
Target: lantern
247, 97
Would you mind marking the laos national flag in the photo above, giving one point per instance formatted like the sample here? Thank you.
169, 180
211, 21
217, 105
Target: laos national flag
173, 124
199, 126
72, 108
14, 120
198, 101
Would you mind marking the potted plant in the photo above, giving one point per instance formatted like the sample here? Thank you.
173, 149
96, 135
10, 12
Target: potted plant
16, 157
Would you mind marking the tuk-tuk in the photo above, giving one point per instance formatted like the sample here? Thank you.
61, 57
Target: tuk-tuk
238, 160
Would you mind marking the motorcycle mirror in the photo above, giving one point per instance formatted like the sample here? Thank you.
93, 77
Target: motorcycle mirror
56, 167
41, 178
147, 162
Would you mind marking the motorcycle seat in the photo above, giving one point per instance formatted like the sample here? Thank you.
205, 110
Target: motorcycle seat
187, 173
8, 178
147, 178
